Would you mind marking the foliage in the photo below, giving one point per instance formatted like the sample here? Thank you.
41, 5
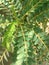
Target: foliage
21, 30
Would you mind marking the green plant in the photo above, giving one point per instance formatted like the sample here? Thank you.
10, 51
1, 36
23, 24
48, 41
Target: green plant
22, 25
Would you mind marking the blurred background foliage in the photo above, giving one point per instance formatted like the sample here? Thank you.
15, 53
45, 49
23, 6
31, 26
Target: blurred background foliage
24, 32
